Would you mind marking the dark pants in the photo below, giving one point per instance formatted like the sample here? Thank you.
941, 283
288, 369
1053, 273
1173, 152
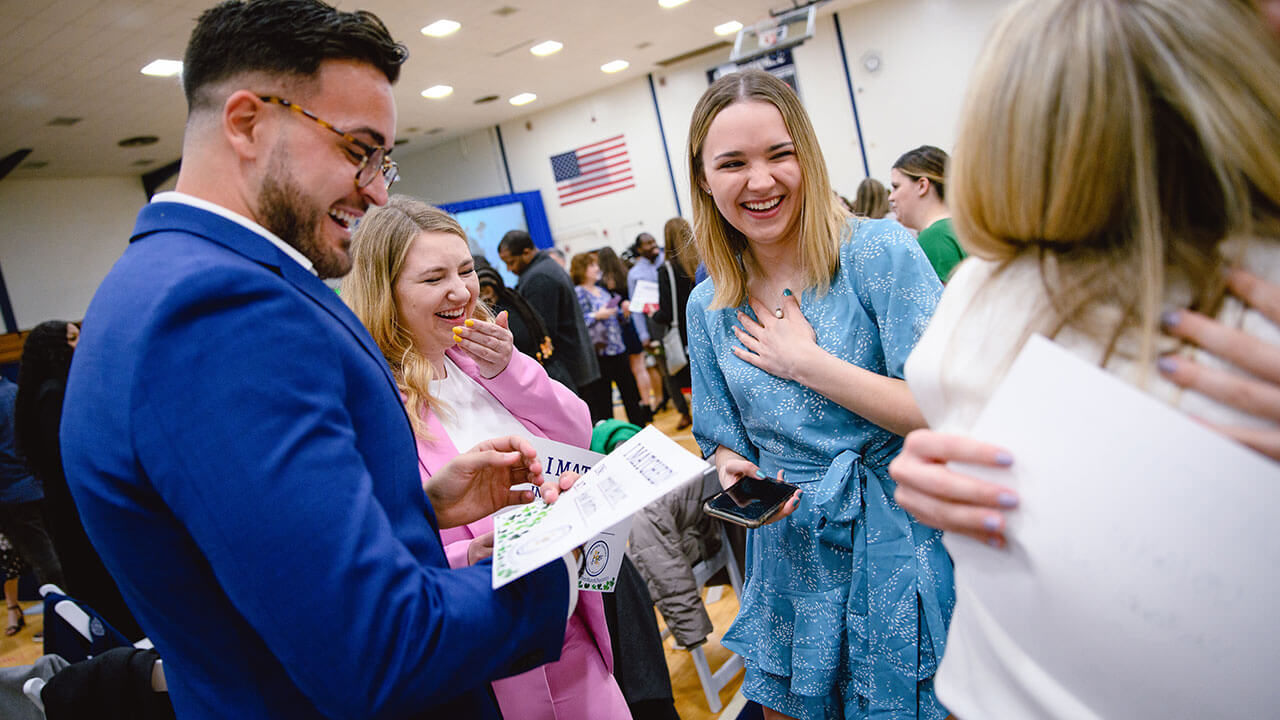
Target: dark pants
23, 524
675, 384
615, 370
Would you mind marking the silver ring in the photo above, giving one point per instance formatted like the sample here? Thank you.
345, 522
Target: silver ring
778, 313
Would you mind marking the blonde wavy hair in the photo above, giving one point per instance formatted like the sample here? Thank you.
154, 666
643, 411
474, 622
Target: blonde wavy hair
822, 217
378, 249
1120, 143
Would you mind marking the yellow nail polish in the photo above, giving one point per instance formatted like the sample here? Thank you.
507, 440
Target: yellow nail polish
469, 322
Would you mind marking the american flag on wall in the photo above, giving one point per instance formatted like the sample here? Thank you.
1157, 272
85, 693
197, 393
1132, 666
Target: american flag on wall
592, 171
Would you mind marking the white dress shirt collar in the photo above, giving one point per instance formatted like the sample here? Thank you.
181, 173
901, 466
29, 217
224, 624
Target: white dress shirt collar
286, 248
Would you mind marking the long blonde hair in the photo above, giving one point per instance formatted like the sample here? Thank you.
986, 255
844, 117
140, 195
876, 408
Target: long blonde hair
1120, 143
378, 249
725, 250
677, 237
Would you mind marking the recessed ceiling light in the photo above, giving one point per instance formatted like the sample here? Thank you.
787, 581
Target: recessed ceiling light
543, 49
728, 28
435, 92
441, 28
162, 68
523, 99
614, 66
671, 3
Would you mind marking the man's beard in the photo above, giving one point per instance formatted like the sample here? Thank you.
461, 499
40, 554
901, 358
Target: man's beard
282, 209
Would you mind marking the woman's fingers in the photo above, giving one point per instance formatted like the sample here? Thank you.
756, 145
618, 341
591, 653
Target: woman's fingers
1249, 395
947, 500
1256, 293
1264, 440
1237, 347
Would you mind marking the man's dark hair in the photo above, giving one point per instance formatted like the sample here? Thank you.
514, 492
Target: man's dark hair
515, 242
285, 37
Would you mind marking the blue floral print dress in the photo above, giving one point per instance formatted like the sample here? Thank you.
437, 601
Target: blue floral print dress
847, 600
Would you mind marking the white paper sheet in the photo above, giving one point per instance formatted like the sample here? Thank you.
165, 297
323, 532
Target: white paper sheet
1144, 564
639, 471
645, 297
605, 550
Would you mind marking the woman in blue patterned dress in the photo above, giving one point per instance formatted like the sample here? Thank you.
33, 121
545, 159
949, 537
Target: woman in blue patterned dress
797, 346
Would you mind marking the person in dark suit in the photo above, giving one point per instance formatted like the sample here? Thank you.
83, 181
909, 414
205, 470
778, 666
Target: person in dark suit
549, 290
236, 443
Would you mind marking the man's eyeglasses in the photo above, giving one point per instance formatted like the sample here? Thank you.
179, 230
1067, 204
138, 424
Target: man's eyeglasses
372, 159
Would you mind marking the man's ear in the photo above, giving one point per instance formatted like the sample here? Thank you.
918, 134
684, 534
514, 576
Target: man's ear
243, 124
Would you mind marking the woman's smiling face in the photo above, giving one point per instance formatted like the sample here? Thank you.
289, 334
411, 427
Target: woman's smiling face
436, 291
752, 172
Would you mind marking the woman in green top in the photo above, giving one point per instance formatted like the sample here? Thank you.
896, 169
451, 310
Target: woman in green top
918, 197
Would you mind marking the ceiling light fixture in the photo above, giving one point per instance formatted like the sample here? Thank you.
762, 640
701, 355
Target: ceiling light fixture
441, 28
435, 92
728, 28
162, 68
671, 3
614, 66
544, 49
523, 99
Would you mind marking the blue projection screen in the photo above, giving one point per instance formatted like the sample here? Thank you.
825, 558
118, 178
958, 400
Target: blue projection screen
486, 220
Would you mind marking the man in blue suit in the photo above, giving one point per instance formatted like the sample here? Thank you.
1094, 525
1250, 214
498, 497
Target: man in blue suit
234, 439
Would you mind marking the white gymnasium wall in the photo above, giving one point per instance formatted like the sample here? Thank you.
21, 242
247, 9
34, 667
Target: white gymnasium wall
615, 219
59, 238
926, 50
460, 169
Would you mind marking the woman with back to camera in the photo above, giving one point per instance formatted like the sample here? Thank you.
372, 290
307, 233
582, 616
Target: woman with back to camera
1091, 248
919, 200
527, 329
797, 347
871, 200
413, 284
682, 260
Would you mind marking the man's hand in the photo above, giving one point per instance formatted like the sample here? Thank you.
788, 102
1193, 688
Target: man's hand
479, 482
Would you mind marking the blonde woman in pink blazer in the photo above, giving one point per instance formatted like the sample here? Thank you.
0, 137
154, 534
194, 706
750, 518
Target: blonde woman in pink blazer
413, 284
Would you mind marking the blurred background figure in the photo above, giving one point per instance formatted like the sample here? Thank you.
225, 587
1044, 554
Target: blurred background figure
675, 282
646, 255
919, 199
871, 200
558, 256
42, 384
613, 277
602, 312
530, 334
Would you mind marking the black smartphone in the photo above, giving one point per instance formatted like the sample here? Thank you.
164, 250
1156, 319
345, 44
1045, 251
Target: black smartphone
750, 502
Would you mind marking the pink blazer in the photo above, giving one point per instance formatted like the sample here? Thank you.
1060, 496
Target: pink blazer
547, 409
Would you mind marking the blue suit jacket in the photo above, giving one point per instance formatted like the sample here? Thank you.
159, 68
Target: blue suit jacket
241, 459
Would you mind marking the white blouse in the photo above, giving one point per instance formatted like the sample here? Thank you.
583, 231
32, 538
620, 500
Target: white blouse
472, 415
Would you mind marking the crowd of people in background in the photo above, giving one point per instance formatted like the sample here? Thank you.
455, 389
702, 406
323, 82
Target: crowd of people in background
383, 427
